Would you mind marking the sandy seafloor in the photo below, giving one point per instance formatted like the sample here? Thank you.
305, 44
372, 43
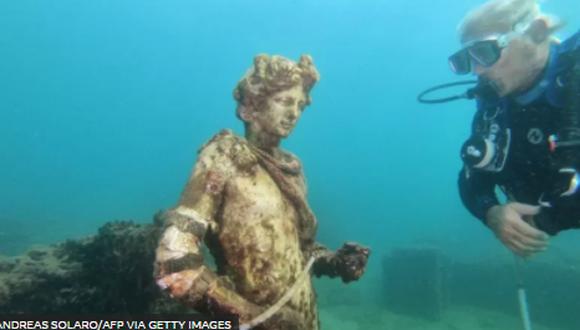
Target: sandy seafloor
343, 317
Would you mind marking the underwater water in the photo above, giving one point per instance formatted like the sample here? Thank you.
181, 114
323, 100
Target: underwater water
103, 105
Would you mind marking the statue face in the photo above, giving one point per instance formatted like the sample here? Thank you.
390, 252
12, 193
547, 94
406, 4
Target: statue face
281, 113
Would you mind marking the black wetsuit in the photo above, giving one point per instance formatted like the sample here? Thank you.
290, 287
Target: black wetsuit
523, 124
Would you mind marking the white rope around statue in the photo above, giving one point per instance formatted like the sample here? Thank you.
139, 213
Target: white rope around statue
280, 303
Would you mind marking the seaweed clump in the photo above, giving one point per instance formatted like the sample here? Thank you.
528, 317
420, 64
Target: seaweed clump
110, 272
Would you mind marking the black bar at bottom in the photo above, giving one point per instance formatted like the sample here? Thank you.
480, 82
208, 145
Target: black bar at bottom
114, 322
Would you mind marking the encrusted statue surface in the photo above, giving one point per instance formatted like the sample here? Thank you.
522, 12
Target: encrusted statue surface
246, 200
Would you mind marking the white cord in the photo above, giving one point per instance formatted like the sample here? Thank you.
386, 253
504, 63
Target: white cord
522, 299
280, 303
525, 314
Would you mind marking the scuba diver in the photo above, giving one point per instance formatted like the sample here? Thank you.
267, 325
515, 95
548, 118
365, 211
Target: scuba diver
525, 136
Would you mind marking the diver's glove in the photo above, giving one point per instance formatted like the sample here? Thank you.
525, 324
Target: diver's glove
351, 260
564, 187
560, 203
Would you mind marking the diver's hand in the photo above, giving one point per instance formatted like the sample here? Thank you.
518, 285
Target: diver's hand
508, 222
351, 260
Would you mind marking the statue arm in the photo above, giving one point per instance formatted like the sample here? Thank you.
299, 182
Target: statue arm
180, 269
325, 262
349, 262
179, 266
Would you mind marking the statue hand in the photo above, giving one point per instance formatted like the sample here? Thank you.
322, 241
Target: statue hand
351, 260
177, 284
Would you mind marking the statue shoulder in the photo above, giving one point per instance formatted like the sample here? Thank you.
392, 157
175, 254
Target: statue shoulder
292, 160
230, 148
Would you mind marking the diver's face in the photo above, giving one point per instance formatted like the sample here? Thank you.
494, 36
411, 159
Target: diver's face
514, 71
281, 112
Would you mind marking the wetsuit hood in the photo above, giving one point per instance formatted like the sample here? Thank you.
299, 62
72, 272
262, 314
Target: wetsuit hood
549, 86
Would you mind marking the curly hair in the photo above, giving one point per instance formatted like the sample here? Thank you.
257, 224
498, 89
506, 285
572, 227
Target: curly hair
502, 16
272, 74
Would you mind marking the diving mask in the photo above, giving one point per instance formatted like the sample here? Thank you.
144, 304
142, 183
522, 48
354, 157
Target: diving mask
481, 52
486, 51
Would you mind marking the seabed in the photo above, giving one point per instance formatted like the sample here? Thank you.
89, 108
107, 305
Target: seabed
343, 317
